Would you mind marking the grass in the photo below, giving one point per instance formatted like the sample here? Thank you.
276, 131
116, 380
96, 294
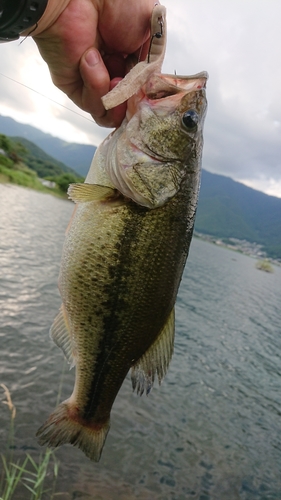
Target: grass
26, 177
28, 472
264, 265
21, 176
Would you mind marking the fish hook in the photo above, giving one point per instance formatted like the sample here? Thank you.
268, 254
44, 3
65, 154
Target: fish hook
158, 34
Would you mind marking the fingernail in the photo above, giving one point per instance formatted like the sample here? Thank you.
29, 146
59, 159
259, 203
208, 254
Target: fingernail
92, 57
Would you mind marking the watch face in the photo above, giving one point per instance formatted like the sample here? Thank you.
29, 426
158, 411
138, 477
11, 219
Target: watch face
8, 38
17, 16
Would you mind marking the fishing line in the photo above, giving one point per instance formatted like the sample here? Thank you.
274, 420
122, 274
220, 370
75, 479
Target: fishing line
46, 97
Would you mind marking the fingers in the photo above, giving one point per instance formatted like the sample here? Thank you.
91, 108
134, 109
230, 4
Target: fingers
96, 78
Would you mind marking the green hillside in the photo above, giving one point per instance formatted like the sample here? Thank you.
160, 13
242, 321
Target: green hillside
23, 163
44, 164
228, 209
74, 155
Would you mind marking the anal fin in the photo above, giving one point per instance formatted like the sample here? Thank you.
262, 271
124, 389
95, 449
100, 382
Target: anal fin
60, 333
155, 360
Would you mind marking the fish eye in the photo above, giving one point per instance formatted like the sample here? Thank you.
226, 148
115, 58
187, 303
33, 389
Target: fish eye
190, 119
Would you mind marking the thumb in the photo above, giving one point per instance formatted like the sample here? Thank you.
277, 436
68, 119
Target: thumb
96, 82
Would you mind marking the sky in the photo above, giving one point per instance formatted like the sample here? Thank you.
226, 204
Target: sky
237, 41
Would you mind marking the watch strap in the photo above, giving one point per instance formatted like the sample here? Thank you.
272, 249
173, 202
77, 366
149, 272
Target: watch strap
18, 15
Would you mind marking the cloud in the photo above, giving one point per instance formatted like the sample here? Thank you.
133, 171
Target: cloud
238, 43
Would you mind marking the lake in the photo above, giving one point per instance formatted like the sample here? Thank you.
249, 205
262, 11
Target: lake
212, 431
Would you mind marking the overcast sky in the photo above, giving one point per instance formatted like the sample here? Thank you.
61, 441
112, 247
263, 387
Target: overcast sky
237, 41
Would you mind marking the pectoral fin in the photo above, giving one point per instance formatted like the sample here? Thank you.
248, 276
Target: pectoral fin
60, 333
82, 193
155, 360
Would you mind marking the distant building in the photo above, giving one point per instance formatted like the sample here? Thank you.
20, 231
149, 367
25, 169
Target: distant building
49, 184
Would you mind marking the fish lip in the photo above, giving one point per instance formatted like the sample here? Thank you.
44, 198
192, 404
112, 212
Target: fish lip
155, 158
196, 76
203, 75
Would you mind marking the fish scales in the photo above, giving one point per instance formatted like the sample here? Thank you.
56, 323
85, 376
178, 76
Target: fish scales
126, 248
134, 259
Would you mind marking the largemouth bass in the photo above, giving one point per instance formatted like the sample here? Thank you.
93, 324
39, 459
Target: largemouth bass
125, 251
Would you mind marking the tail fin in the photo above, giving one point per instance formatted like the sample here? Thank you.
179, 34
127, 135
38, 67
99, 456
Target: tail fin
62, 427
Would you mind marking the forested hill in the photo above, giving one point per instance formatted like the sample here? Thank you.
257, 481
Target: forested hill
76, 156
229, 209
43, 164
24, 163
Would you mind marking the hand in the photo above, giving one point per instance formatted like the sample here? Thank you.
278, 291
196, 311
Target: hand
86, 43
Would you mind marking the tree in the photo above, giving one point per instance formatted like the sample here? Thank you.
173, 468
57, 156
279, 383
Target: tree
64, 180
14, 150
5, 143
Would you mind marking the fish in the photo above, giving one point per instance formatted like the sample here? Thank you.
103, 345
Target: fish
126, 248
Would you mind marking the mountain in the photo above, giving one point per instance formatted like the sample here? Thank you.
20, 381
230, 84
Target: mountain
76, 156
229, 209
226, 209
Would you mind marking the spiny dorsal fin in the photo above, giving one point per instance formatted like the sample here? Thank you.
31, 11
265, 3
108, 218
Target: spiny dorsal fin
155, 360
140, 73
82, 193
60, 334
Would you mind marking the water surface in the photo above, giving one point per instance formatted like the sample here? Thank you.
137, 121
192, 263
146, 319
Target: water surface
210, 432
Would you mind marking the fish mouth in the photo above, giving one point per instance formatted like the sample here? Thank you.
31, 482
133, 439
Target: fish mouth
165, 90
148, 154
161, 86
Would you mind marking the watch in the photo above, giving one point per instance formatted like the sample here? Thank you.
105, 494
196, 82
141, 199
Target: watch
18, 15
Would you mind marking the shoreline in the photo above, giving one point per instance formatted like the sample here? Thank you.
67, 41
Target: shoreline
238, 249
37, 186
